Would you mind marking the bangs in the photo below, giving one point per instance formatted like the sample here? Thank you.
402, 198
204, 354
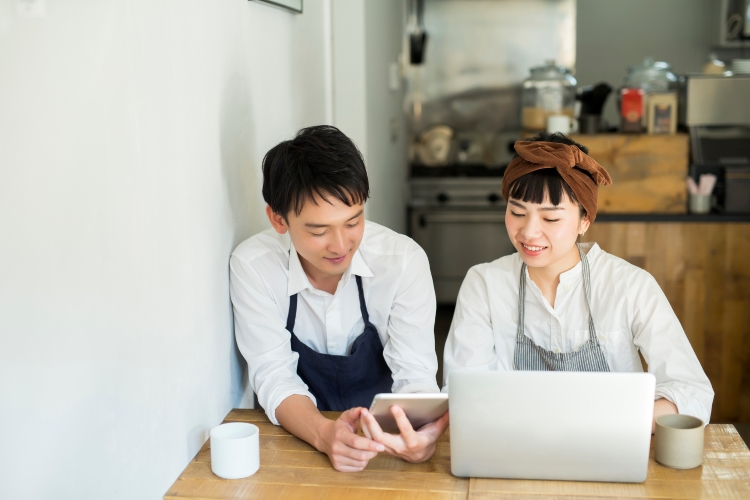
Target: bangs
539, 185
313, 193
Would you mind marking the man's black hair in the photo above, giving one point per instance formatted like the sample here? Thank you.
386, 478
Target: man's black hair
320, 161
533, 186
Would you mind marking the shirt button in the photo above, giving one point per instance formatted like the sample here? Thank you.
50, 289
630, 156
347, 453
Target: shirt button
602, 337
566, 288
332, 344
557, 350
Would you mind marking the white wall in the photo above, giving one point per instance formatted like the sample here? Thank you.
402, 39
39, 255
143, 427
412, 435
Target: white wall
367, 39
131, 135
615, 34
386, 157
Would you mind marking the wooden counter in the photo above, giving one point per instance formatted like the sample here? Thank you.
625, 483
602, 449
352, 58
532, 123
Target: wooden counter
291, 469
648, 171
704, 270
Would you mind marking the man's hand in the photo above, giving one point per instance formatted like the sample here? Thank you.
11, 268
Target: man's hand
412, 446
336, 438
348, 451
662, 407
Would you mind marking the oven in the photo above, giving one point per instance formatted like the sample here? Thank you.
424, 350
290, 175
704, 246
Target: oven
459, 222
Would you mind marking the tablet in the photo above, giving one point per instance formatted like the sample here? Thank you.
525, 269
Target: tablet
420, 409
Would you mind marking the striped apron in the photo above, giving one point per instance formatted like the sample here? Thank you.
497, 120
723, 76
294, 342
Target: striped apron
529, 356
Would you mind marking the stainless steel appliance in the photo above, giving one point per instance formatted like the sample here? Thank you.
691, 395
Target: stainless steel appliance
717, 100
459, 222
737, 195
718, 116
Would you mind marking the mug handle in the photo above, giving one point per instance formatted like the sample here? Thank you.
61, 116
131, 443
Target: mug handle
573, 128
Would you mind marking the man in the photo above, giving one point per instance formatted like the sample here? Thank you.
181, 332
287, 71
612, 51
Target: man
331, 309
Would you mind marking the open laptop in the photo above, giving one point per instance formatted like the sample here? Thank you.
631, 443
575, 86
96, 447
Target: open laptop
579, 426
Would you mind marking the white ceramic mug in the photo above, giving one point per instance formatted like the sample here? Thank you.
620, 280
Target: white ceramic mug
561, 123
235, 450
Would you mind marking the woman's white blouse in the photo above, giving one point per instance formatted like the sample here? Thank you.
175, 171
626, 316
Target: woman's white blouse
630, 313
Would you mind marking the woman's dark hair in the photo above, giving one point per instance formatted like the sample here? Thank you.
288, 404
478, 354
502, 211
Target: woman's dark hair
533, 186
320, 161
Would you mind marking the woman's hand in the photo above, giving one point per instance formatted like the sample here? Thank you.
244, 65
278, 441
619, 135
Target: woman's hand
412, 446
662, 407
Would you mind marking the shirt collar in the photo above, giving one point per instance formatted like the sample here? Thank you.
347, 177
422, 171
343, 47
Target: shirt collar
591, 250
298, 279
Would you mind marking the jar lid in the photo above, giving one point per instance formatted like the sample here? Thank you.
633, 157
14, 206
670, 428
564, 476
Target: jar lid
651, 76
651, 69
551, 71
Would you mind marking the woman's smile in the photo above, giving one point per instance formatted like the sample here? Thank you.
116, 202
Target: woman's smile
532, 250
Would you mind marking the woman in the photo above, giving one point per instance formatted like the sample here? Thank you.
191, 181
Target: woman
556, 305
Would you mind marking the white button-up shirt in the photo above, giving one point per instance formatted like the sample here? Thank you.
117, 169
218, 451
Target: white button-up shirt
265, 272
629, 310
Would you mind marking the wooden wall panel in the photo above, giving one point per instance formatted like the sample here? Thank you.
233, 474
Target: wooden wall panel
648, 171
704, 270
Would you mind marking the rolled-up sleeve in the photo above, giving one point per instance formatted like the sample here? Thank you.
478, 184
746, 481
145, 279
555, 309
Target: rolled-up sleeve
260, 330
665, 347
410, 348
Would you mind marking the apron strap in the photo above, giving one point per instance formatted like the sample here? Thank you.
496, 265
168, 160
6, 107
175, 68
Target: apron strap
586, 272
292, 313
291, 317
362, 305
521, 301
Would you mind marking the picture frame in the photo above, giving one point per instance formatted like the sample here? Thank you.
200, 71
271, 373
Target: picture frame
291, 5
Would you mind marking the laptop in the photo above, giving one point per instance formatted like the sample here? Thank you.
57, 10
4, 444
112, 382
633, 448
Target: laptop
577, 426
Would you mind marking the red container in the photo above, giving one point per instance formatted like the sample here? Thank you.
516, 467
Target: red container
631, 110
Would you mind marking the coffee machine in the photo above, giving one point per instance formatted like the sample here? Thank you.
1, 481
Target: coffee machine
717, 114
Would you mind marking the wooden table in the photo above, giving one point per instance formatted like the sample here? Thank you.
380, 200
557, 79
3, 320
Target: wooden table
292, 469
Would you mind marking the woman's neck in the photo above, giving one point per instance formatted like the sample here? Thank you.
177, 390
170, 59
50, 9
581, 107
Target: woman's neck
548, 277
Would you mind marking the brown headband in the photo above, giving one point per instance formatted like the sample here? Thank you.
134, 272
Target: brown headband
536, 155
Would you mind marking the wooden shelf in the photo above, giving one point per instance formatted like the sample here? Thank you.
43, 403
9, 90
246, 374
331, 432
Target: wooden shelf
648, 171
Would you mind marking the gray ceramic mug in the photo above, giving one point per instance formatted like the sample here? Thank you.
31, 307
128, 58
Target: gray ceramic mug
679, 441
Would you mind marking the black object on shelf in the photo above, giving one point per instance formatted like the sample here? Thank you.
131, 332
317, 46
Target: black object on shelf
592, 102
417, 32
417, 46
593, 98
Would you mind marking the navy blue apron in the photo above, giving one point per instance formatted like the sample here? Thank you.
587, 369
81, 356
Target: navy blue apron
342, 382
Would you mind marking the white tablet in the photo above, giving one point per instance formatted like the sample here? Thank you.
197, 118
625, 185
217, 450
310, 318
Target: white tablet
420, 409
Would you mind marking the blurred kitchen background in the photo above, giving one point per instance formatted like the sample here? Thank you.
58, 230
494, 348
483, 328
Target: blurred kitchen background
658, 91
131, 138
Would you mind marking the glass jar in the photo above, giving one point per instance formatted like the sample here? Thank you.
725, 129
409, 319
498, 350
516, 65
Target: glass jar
654, 77
550, 90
